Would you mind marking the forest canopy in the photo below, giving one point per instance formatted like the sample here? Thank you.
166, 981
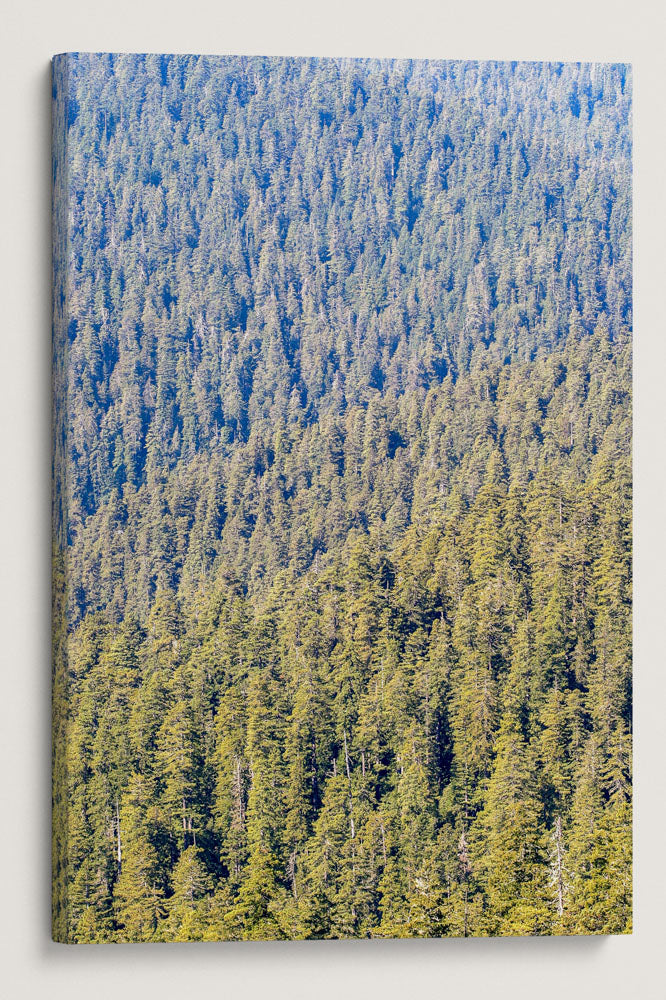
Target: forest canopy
342, 498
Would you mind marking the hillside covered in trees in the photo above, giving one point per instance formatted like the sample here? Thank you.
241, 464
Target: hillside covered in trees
342, 498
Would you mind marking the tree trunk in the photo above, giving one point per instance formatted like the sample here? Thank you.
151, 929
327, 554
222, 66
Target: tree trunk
119, 850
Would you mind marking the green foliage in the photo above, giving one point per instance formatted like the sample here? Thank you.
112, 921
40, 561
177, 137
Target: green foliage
345, 644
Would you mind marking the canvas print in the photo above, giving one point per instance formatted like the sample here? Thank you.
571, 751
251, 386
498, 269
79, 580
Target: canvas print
341, 498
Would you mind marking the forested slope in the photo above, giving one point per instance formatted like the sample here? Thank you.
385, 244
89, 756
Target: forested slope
348, 499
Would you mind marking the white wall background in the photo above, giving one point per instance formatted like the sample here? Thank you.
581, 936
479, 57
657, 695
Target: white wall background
30, 32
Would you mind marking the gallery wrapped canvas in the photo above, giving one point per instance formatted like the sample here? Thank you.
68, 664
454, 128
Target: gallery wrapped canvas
341, 498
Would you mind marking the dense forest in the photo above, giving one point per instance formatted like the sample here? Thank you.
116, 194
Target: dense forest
342, 498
